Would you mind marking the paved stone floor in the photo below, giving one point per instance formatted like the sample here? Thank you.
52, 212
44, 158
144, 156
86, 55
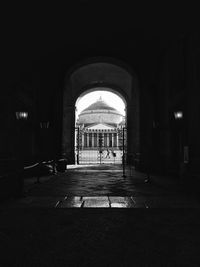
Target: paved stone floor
102, 186
137, 222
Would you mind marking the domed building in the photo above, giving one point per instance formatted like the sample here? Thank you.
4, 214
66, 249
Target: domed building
100, 112
99, 125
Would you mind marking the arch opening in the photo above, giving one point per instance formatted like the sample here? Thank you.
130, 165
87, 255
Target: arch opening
103, 75
100, 121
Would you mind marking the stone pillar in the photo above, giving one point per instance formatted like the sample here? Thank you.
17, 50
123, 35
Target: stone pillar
97, 139
82, 136
117, 141
107, 139
112, 139
68, 132
131, 141
103, 139
133, 126
87, 139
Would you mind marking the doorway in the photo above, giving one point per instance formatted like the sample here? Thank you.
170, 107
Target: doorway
100, 128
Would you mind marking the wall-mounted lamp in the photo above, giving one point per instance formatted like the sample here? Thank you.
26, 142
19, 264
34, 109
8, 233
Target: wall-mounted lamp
21, 115
178, 115
44, 124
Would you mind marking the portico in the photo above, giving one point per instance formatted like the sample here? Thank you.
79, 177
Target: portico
89, 138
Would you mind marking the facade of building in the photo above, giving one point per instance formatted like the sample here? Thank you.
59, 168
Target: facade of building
100, 125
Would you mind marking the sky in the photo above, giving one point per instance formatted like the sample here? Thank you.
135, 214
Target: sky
110, 98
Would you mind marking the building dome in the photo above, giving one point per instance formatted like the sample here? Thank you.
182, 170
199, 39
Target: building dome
100, 112
100, 104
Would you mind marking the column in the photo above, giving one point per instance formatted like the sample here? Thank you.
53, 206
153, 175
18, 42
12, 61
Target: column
97, 139
92, 140
87, 139
82, 139
103, 141
107, 139
112, 139
117, 136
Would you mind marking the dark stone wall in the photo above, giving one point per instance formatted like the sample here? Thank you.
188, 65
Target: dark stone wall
19, 97
192, 103
178, 89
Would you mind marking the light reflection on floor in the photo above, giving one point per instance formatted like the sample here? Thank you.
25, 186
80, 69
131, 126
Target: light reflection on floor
96, 202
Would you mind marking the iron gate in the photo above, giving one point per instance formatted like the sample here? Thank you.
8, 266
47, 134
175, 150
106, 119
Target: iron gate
101, 150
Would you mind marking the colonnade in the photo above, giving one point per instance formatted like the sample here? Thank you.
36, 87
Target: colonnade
97, 138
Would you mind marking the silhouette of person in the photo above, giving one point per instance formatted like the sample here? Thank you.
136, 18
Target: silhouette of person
113, 153
108, 154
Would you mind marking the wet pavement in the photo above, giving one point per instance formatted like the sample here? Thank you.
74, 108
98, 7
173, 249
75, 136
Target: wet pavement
102, 186
96, 202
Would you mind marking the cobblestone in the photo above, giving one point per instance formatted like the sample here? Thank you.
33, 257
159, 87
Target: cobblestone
102, 186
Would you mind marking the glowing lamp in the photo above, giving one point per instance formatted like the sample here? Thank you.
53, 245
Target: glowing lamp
178, 115
21, 115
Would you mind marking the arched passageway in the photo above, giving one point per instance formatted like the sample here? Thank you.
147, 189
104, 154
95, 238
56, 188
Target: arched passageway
100, 73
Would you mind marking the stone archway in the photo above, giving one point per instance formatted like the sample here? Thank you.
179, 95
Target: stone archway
100, 72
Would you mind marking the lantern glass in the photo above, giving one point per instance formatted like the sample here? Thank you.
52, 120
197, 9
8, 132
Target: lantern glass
21, 115
178, 115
